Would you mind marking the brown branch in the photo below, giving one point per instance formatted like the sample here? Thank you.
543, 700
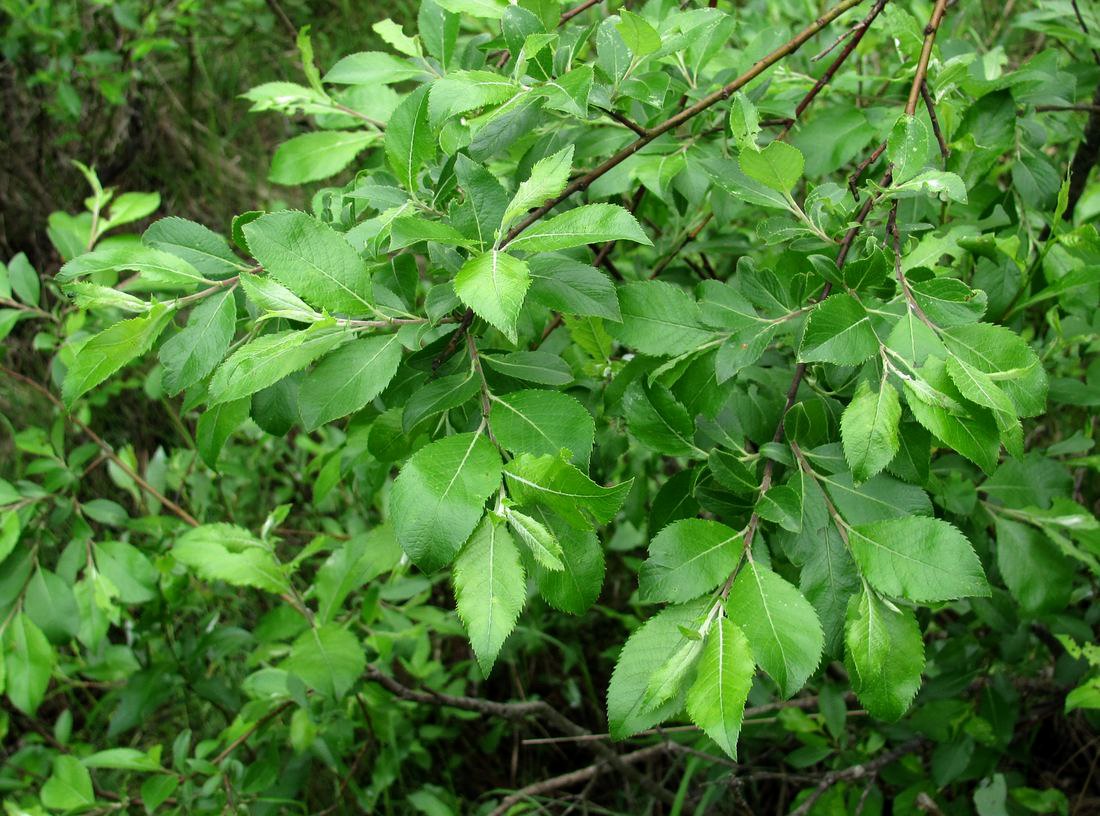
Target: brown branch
930, 105
925, 55
860, 771
108, 451
573, 12
853, 180
623, 120
260, 723
583, 182
456, 338
515, 712
572, 778
859, 30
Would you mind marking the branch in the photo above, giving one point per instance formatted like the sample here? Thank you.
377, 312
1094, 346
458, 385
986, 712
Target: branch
926, 95
855, 772
574, 778
456, 338
103, 446
260, 723
583, 182
858, 32
925, 55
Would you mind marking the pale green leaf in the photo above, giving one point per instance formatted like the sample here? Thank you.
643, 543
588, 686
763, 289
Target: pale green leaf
543, 422
686, 559
28, 663
778, 166
716, 700
226, 552
347, 379
560, 487
885, 655
192, 353
490, 589
586, 224
869, 429
314, 156
921, 559
494, 285
439, 497
329, 659
838, 331
548, 178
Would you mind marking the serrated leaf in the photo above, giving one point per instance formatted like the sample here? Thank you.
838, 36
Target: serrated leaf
544, 547
686, 559
192, 353
439, 497
564, 285
670, 677
980, 389
1007, 358
347, 379
490, 589
644, 651
28, 663
312, 260
838, 331
716, 700
560, 487
111, 349
576, 586
410, 143
267, 359
533, 366
921, 559
157, 269
372, 68
780, 625
659, 319
548, 178
463, 91
869, 429
885, 655
543, 422
908, 146
640, 37
329, 659
226, 552
586, 224
494, 285
778, 166
314, 156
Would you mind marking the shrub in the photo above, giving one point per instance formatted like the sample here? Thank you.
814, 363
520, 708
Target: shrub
711, 384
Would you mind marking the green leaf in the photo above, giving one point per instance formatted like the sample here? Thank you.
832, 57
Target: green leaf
347, 379
548, 178
111, 349
123, 759
409, 140
640, 37
659, 319
647, 648
226, 552
576, 586
544, 547
686, 559
216, 425
1007, 358
543, 422
586, 224
23, 279
658, 420
439, 497
780, 625
908, 146
373, 68
1037, 574
410, 230
363, 558
838, 331
463, 91
493, 285
69, 786
157, 269
716, 700
869, 429
745, 127
533, 366
269, 358
392, 35
50, 604
438, 396
191, 354
319, 155
329, 659
564, 285
28, 663
490, 589
560, 487
778, 166
937, 406
980, 389
312, 260
277, 300
885, 655
481, 9
482, 211
671, 675
945, 186
921, 559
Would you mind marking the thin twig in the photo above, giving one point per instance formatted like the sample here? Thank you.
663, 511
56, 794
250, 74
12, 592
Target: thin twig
256, 726
855, 772
925, 55
860, 29
108, 451
930, 105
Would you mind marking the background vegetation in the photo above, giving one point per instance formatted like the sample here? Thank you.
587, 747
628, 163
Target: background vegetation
154, 663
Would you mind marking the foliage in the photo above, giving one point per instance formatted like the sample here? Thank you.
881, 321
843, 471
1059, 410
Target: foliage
634, 364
